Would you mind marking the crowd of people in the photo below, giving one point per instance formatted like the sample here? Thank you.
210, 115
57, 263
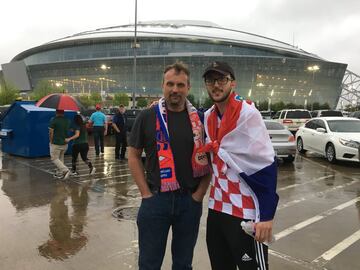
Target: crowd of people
226, 149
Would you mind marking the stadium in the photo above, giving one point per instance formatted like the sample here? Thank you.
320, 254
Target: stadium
111, 60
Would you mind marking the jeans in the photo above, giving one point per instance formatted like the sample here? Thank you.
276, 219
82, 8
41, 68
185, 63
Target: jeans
156, 215
120, 141
98, 139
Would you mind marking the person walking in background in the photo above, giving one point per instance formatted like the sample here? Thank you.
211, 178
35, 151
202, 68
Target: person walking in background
58, 129
243, 185
98, 120
80, 145
177, 177
119, 124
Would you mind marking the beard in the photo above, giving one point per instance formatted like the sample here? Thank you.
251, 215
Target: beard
175, 100
222, 99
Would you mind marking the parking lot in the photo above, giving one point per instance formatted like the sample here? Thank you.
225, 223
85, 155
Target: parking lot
49, 224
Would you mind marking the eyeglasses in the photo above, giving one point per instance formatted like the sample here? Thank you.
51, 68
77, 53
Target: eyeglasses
221, 81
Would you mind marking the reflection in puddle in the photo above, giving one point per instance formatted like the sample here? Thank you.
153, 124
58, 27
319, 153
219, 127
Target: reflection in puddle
128, 213
66, 231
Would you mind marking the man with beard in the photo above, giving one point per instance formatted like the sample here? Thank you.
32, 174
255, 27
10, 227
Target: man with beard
177, 175
243, 184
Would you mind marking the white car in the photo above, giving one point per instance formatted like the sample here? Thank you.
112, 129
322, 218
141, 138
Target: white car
336, 138
293, 118
282, 140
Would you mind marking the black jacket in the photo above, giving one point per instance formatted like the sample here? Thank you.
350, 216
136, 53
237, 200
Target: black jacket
120, 120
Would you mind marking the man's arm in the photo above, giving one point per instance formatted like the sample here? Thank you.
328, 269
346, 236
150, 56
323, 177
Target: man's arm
137, 170
199, 194
76, 135
51, 135
105, 125
115, 127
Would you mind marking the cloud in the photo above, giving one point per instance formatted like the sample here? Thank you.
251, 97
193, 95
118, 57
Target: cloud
327, 28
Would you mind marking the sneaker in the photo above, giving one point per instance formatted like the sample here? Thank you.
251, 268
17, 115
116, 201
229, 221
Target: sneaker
92, 170
66, 175
74, 173
57, 175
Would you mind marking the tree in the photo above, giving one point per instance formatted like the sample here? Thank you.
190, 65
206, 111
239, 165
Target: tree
263, 106
191, 98
291, 106
85, 100
121, 98
8, 93
278, 106
95, 98
325, 106
142, 102
208, 103
44, 88
316, 106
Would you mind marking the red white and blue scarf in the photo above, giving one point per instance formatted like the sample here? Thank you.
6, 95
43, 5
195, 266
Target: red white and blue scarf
199, 160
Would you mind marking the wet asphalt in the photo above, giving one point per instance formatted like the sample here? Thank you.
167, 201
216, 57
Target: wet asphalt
89, 222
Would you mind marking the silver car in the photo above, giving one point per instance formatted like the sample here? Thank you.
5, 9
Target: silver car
282, 140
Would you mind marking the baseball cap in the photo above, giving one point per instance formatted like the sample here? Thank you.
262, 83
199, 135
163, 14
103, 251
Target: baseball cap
98, 106
221, 67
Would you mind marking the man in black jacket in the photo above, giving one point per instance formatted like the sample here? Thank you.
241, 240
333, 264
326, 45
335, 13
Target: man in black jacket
119, 124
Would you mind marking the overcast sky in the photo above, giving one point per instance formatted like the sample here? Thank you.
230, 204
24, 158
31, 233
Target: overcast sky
328, 28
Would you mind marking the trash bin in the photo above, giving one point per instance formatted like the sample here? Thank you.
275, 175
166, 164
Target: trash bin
25, 129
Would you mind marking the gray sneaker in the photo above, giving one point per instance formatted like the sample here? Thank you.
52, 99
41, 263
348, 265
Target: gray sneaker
92, 171
66, 175
58, 175
74, 173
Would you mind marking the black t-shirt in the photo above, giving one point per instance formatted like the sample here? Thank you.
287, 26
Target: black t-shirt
181, 142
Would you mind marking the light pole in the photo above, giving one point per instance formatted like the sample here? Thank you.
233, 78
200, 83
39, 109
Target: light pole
312, 69
135, 46
104, 68
59, 85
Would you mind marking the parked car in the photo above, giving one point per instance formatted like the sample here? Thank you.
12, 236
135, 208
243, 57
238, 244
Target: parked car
131, 116
276, 115
294, 118
267, 114
86, 113
282, 140
355, 114
326, 113
109, 113
3, 110
336, 138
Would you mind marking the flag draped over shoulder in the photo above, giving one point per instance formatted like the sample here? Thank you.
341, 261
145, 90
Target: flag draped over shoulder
241, 147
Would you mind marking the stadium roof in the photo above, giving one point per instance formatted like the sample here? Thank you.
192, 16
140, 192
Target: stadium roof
179, 29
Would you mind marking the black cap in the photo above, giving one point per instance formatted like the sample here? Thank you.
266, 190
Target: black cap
220, 67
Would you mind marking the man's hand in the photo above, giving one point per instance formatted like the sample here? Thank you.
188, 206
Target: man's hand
263, 231
147, 195
198, 196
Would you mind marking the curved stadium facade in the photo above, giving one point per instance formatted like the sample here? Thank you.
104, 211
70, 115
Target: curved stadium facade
103, 60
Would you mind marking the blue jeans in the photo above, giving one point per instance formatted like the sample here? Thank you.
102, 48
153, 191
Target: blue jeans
156, 215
